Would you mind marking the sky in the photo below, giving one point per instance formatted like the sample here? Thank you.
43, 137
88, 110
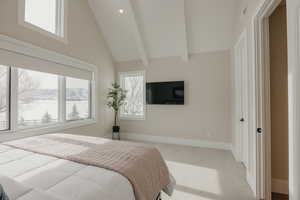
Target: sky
41, 13
50, 81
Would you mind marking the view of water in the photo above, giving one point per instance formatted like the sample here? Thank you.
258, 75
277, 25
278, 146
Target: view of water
34, 112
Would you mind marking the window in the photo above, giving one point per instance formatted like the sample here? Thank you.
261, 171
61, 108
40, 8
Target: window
134, 84
4, 98
42, 99
77, 99
45, 15
37, 98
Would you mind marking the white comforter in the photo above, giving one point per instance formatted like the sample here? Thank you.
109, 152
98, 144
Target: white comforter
29, 176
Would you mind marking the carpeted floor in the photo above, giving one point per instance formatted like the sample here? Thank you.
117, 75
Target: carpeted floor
205, 174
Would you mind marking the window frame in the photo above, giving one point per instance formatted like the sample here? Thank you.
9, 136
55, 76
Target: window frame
89, 102
24, 48
8, 98
8, 91
62, 122
60, 21
18, 127
121, 82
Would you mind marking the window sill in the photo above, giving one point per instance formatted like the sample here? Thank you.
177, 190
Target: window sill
43, 32
132, 118
22, 133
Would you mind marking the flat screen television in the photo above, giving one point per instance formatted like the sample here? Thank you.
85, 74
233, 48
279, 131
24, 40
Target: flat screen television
165, 93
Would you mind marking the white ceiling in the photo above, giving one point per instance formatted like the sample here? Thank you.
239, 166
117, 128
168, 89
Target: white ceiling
161, 28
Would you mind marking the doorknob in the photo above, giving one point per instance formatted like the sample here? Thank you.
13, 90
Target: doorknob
259, 130
242, 120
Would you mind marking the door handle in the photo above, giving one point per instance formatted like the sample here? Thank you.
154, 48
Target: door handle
242, 120
259, 130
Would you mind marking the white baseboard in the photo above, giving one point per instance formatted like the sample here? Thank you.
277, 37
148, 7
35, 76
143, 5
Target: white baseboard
178, 141
251, 182
280, 186
233, 151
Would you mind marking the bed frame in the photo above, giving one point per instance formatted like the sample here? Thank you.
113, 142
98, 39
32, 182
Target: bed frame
159, 197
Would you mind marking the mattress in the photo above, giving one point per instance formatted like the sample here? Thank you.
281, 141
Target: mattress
30, 176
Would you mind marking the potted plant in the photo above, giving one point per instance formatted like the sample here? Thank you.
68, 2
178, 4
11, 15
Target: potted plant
116, 98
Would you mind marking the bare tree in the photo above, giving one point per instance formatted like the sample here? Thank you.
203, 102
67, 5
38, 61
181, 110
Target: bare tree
3, 89
134, 99
26, 86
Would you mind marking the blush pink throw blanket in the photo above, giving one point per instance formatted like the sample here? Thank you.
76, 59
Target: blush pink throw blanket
141, 164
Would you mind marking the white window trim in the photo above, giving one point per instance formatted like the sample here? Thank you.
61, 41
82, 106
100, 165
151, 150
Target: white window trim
64, 101
13, 45
62, 124
134, 73
57, 127
61, 34
8, 100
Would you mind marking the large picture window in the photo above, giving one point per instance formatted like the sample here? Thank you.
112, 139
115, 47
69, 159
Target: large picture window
134, 84
4, 98
37, 98
42, 99
77, 99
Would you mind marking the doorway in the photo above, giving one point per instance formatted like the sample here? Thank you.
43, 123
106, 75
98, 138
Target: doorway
279, 102
270, 38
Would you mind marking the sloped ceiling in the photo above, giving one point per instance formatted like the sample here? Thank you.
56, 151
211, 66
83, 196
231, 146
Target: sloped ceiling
161, 28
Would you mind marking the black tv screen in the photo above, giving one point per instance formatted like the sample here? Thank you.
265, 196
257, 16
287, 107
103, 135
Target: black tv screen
170, 93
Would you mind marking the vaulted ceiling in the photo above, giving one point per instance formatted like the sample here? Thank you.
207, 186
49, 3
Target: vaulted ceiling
161, 28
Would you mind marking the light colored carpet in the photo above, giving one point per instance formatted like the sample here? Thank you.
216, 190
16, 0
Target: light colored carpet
205, 174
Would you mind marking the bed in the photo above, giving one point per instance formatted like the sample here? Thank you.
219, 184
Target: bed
30, 174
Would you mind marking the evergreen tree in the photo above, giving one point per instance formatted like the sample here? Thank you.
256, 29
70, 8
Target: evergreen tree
74, 114
46, 118
22, 121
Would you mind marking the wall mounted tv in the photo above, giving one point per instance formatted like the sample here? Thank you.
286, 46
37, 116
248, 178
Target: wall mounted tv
165, 93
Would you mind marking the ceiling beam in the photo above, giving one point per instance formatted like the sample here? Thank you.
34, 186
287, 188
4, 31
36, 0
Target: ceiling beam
185, 52
137, 32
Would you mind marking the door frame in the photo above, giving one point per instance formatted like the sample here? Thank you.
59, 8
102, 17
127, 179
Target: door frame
262, 92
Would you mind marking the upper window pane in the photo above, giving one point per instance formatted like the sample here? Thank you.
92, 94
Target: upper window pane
133, 83
4, 99
37, 98
77, 99
44, 14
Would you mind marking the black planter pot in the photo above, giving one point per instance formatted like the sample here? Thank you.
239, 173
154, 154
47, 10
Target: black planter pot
116, 133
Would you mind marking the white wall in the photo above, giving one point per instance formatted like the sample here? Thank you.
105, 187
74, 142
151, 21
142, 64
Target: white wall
242, 20
85, 42
205, 115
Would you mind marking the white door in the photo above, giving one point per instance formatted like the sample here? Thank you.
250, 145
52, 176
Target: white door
241, 77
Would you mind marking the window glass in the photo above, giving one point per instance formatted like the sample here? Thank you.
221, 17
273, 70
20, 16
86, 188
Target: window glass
133, 83
42, 13
77, 99
37, 98
4, 98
